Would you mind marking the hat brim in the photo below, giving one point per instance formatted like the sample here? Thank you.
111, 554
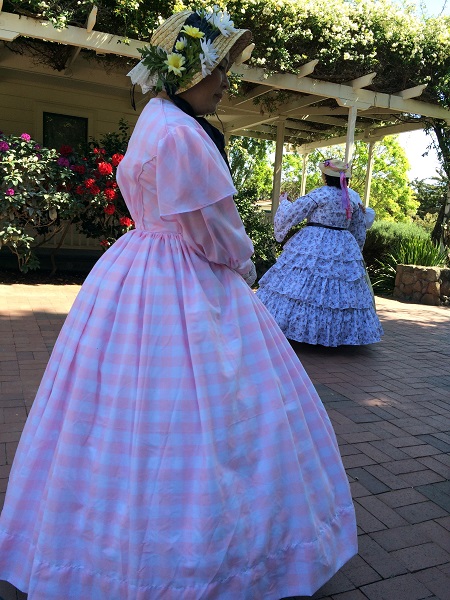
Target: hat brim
335, 172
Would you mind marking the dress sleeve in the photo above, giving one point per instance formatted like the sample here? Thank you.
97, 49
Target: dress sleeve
190, 172
217, 233
292, 213
357, 225
369, 217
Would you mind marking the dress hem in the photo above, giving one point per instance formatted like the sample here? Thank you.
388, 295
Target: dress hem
299, 569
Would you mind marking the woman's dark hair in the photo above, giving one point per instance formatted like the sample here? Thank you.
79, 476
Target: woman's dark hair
334, 181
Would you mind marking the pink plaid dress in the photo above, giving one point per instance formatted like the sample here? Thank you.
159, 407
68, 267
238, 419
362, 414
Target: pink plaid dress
176, 448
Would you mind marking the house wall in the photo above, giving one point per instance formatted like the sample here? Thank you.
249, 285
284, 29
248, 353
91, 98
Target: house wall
25, 94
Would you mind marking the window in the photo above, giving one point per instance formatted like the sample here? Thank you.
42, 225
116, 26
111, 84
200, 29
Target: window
61, 129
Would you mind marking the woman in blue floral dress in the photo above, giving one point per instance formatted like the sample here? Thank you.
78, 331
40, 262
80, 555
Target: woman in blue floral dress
317, 290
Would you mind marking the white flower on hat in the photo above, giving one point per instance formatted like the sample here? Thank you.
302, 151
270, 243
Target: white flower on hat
222, 21
208, 57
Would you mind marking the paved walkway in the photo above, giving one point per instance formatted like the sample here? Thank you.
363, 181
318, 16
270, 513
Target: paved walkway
389, 404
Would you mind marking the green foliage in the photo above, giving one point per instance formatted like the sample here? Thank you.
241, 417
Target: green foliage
259, 230
385, 237
441, 130
42, 191
35, 197
431, 194
391, 195
126, 18
250, 165
252, 176
103, 214
413, 251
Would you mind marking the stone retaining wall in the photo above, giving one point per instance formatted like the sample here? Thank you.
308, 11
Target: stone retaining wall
423, 285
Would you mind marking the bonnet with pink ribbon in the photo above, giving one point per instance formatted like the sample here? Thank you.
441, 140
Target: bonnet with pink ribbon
337, 168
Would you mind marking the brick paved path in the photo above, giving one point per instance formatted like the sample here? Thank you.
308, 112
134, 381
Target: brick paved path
389, 404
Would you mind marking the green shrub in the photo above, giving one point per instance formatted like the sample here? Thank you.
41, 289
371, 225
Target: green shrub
413, 251
103, 214
259, 229
385, 237
35, 197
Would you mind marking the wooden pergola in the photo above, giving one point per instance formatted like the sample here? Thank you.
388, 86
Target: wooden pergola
314, 113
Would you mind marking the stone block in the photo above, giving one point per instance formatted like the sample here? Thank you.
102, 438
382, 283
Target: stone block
430, 300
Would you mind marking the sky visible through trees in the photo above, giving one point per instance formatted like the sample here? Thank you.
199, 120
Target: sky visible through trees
415, 143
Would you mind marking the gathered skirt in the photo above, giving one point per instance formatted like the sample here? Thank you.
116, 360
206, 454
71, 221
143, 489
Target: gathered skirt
318, 290
176, 448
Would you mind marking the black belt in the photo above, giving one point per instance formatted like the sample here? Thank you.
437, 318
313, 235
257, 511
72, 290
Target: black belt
326, 226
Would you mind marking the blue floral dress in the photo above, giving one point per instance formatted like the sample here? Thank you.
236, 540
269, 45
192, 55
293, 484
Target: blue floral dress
317, 290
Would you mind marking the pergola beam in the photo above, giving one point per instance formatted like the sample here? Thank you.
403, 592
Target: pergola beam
259, 90
362, 82
344, 93
412, 92
247, 122
13, 26
307, 68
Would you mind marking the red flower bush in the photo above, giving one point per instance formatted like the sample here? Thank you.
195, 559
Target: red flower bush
115, 159
104, 215
105, 168
110, 194
126, 221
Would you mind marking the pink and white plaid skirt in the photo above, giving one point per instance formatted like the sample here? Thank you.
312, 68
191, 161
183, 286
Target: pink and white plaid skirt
176, 448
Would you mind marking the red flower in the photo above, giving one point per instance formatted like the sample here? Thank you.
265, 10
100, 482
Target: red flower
111, 184
88, 183
110, 194
126, 221
115, 159
110, 209
81, 169
80, 190
105, 243
104, 168
94, 190
65, 150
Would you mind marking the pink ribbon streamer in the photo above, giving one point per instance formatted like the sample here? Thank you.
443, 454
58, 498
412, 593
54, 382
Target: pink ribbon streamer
345, 196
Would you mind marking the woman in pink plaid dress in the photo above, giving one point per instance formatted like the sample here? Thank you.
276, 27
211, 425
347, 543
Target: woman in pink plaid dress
176, 448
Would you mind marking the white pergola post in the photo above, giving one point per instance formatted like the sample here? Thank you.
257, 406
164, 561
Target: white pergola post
276, 189
350, 140
303, 184
369, 171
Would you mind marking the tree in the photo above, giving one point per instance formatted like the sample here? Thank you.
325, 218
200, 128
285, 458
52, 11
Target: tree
252, 176
250, 165
432, 196
391, 196
441, 231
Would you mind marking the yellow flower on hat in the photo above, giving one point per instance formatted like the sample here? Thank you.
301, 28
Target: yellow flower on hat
193, 32
175, 63
181, 44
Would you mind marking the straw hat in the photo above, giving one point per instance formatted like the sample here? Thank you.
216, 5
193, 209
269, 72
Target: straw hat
334, 167
216, 30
